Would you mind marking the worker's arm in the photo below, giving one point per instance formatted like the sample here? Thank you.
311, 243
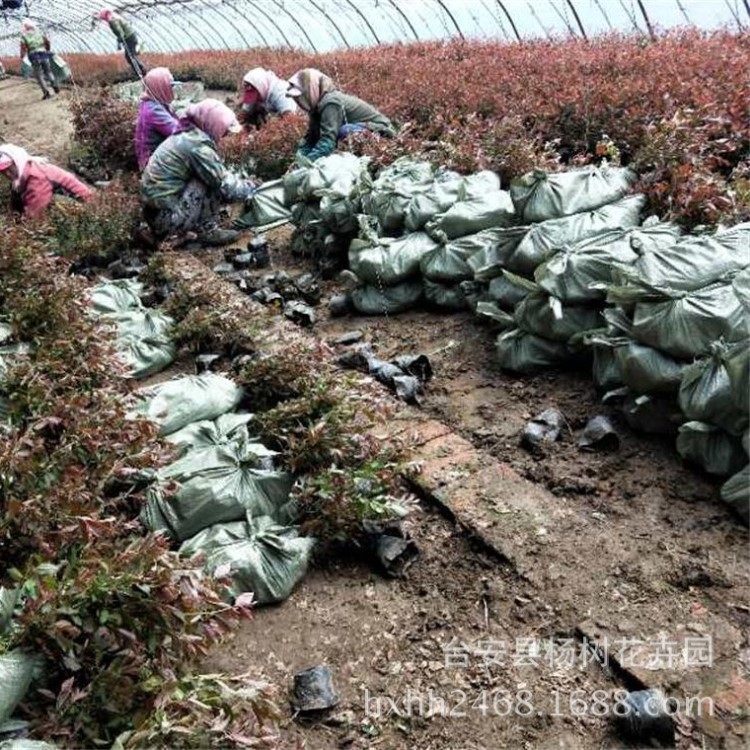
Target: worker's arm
24, 50
331, 120
163, 121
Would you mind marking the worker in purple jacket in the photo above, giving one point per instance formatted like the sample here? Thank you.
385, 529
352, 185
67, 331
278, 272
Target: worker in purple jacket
156, 118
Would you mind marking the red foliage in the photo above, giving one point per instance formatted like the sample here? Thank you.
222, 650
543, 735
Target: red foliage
475, 105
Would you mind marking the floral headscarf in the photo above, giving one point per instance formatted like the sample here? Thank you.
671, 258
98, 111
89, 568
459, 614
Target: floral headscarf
213, 117
308, 86
159, 86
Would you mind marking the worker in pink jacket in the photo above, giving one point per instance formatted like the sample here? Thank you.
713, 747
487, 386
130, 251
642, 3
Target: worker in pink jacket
35, 182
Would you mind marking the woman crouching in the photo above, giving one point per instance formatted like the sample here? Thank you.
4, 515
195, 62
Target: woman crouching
185, 180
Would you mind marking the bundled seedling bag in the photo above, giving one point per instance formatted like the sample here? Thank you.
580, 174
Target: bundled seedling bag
605, 371
486, 210
26, 744
263, 557
541, 195
376, 300
339, 214
685, 324
490, 313
545, 316
267, 207
647, 370
388, 261
694, 262
146, 356
341, 174
17, 670
736, 493
113, 297
143, 340
9, 354
706, 392
525, 353
652, 414
228, 428
448, 263
390, 195
543, 240
445, 296
507, 292
439, 197
737, 363
711, 448
305, 214
493, 248
191, 398
216, 485
578, 273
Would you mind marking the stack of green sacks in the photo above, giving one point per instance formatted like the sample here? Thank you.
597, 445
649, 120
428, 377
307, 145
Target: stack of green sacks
221, 497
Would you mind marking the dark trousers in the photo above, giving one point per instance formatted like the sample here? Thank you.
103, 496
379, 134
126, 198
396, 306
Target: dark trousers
130, 44
42, 71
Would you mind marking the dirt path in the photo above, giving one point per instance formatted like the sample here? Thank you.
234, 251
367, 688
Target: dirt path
43, 128
623, 545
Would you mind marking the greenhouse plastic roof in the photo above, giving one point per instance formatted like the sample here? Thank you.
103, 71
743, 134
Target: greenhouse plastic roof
323, 25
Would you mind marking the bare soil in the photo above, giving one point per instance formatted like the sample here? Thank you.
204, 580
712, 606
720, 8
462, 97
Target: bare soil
650, 549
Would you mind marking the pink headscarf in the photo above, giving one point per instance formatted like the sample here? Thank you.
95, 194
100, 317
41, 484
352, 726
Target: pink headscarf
28, 25
20, 157
308, 86
105, 14
261, 80
214, 118
158, 83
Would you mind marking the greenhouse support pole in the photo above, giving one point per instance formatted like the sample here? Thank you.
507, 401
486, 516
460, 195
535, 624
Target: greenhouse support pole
510, 19
647, 20
406, 18
578, 18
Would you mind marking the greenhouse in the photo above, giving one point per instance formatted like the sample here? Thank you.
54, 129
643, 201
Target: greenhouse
323, 25
374, 374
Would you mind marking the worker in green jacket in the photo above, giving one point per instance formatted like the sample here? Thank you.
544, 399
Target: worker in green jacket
333, 115
126, 38
36, 46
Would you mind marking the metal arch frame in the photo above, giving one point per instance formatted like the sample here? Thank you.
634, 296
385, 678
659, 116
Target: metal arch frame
453, 19
205, 24
266, 17
158, 21
365, 19
280, 5
510, 19
406, 18
161, 15
393, 26
57, 26
331, 21
492, 12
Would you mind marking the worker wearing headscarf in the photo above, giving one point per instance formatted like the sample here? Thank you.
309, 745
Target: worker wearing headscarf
263, 94
35, 182
156, 118
36, 45
333, 115
185, 180
126, 38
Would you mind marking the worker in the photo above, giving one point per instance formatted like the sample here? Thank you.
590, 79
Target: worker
185, 180
35, 182
36, 46
263, 94
156, 118
126, 38
333, 115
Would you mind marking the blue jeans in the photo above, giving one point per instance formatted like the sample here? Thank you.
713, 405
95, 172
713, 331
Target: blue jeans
349, 129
